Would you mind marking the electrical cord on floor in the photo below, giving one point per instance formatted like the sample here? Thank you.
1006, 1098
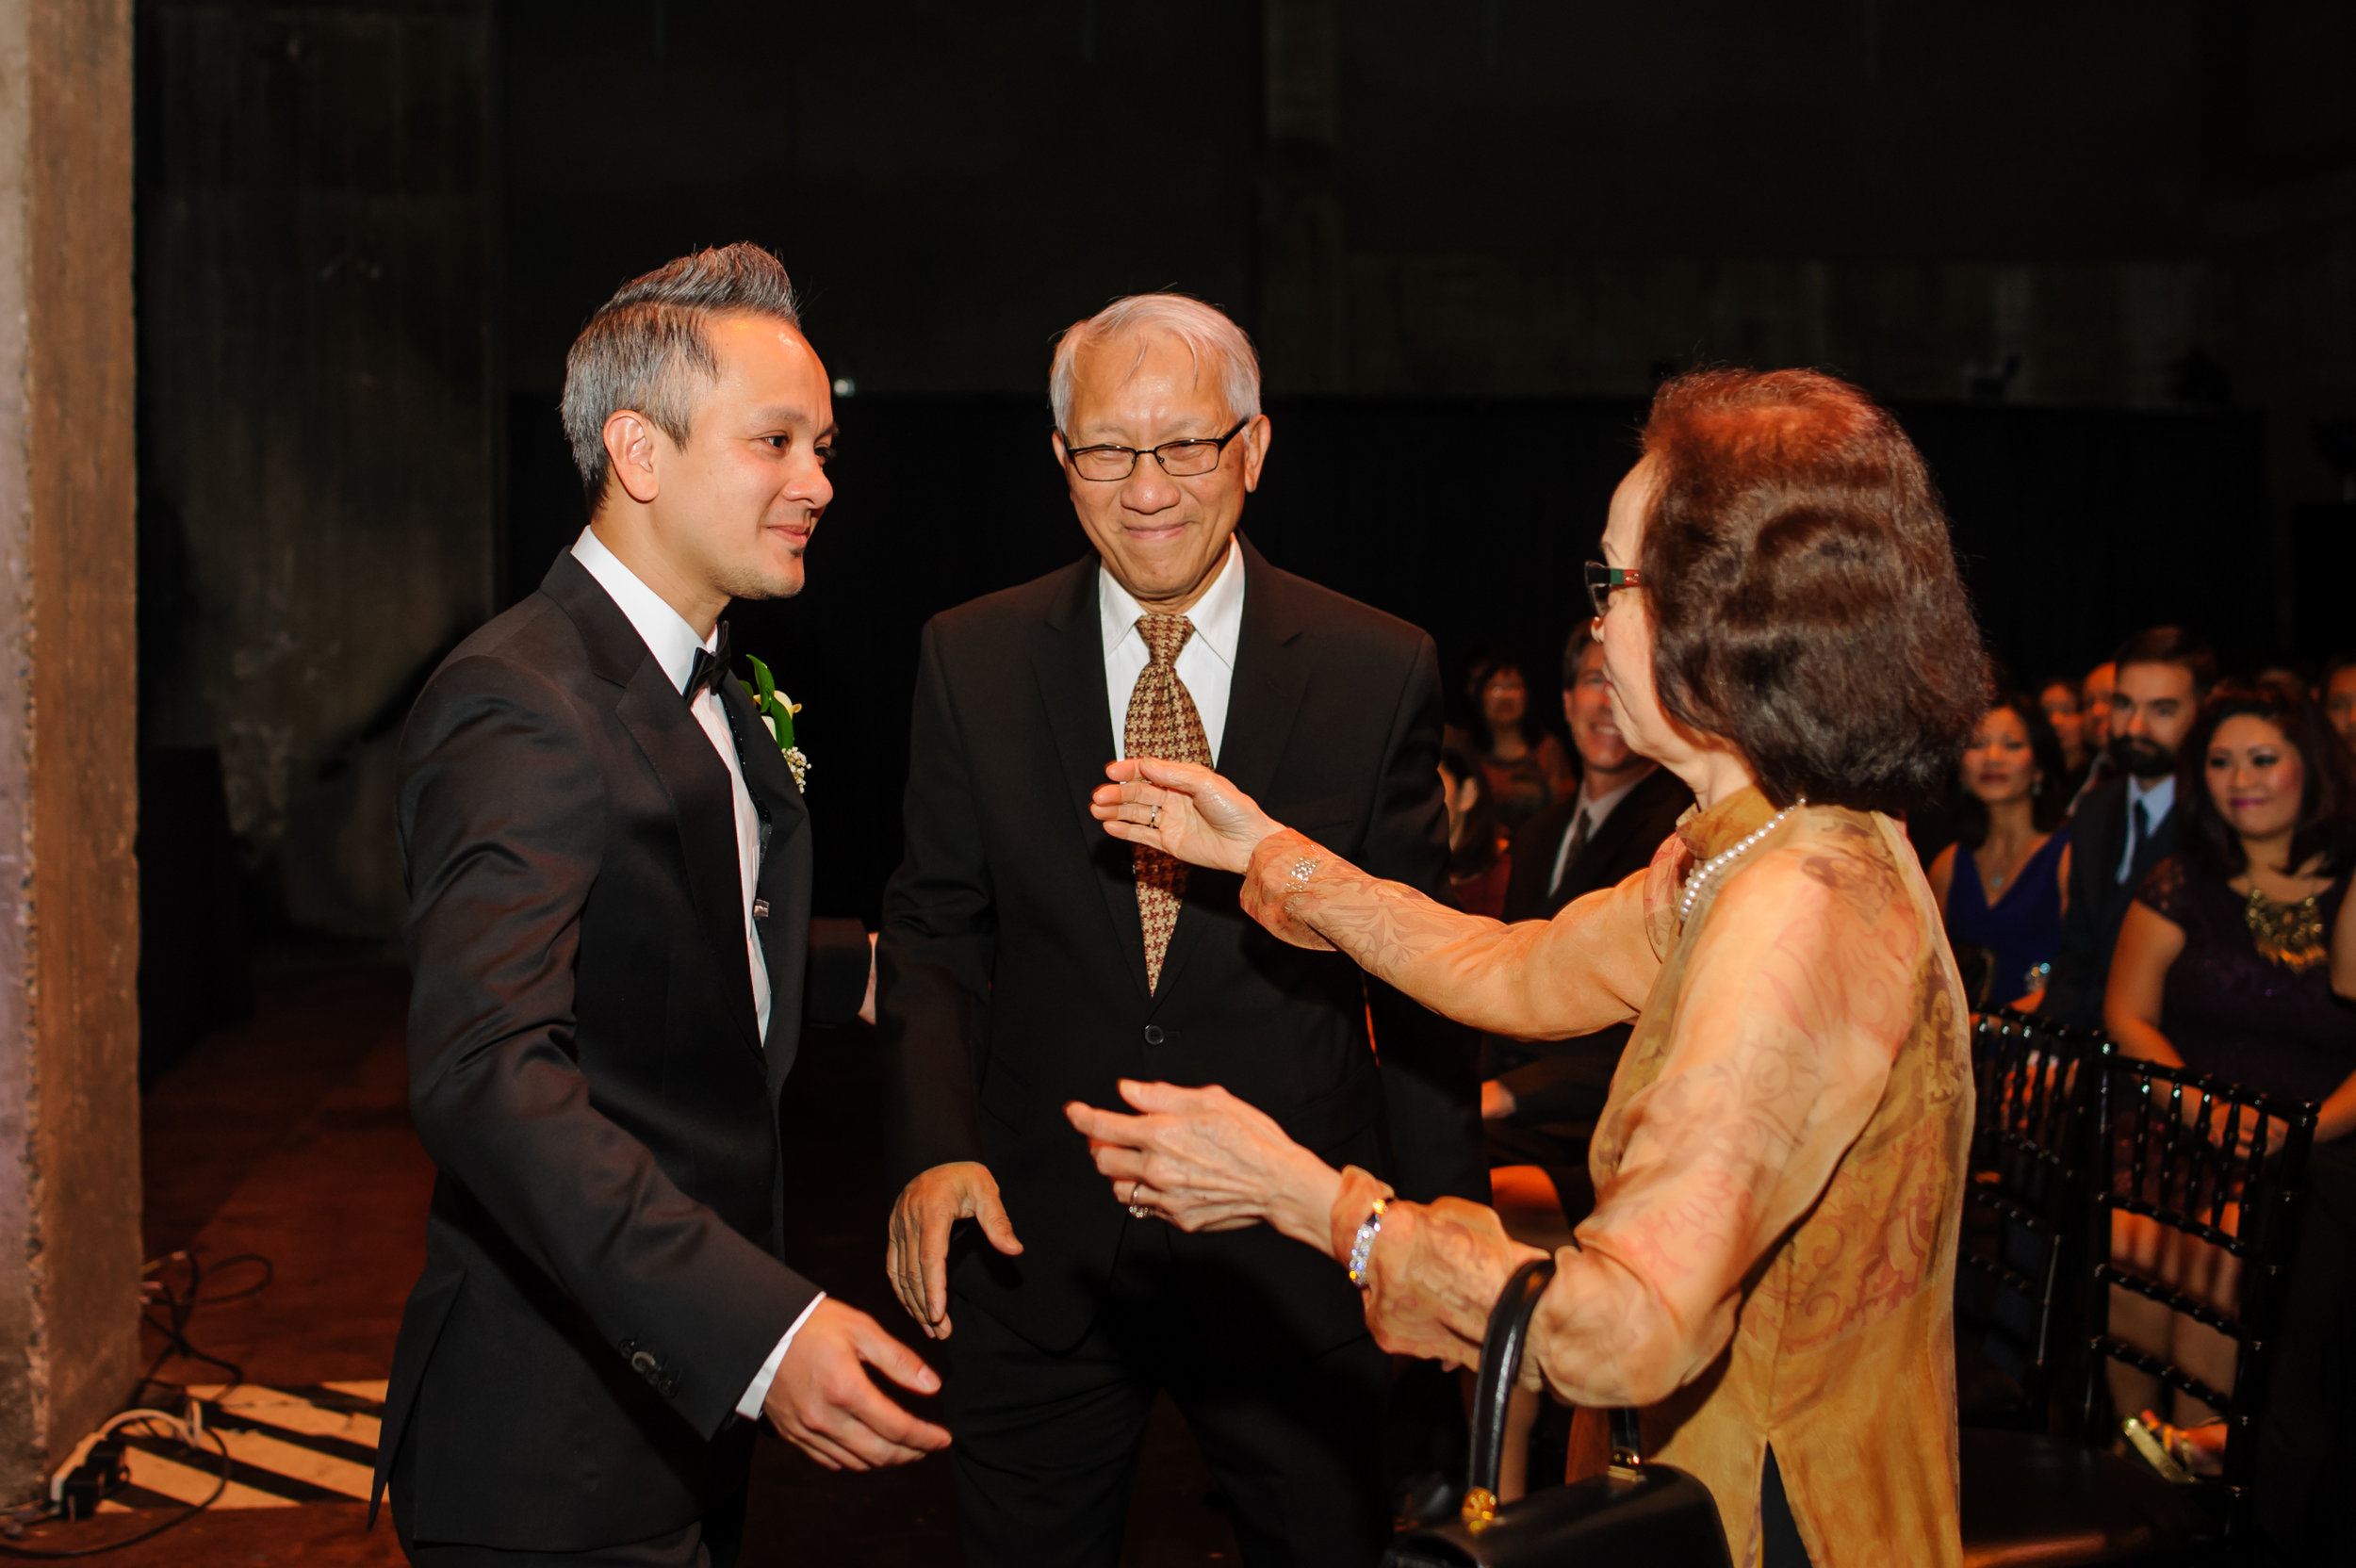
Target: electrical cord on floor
158, 1293
97, 1468
92, 1473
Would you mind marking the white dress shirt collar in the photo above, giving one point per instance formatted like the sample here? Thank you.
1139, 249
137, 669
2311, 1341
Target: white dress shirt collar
2157, 798
1218, 615
664, 630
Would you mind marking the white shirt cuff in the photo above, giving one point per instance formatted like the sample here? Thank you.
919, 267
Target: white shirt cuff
757, 1392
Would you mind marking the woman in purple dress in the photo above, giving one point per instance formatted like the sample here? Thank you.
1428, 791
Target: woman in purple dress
2224, 961
2004, 883
2223, 966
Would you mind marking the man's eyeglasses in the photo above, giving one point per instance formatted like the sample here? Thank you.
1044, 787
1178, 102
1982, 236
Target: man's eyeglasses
1179, 459
1602, 579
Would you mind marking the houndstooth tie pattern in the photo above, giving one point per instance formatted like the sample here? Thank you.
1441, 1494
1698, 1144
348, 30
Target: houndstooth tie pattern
1162, 723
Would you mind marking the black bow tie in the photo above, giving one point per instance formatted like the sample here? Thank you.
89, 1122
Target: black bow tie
711, 665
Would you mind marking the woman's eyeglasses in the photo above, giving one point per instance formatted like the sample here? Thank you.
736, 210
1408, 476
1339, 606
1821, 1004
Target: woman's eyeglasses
1602, 579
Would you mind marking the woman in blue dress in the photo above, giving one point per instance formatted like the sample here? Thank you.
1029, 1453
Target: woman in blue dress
2004, 883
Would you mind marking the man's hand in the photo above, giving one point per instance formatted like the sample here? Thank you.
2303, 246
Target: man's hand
1497, 1100
918, 1259
823, 1402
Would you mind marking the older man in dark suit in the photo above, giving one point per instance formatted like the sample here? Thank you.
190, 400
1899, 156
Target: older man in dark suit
1541, 1102
1027, 961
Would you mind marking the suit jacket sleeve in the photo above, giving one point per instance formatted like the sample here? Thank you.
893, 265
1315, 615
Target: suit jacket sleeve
2074, 992
502, 813
1431, 1067
939, 943
836, 981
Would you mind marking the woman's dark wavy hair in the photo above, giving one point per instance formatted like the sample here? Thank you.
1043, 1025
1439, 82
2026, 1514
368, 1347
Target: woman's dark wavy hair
2327, 807
1478, 851
1492, 663
2048, 802
1804, 594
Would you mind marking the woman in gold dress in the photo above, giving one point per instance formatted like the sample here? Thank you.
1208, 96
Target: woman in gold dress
1768, 1273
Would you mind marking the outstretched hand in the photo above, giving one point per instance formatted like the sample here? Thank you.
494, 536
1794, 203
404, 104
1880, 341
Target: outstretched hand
1206, 1161
1181, 809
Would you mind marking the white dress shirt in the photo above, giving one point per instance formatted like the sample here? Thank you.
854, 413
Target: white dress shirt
674, 642
2157, 800
1207, 664
1595, 811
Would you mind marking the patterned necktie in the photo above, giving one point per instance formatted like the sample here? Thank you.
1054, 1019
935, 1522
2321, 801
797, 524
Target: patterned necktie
2140, 829
1162, 723
1570, 850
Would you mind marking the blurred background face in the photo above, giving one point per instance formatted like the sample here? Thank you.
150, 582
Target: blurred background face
1162, 538
1595, 733
2151, 708
2060, 702
2339, 703
2094, 705
2255, 776
1998, 765
1504, 699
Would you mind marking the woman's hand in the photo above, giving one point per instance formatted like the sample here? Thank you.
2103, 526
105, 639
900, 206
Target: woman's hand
1206, 1161
1181, 809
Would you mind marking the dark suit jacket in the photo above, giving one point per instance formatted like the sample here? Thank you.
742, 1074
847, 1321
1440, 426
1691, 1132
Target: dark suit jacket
602, 1275
1012, 972
1620, 847
1561, 1085
2097, 900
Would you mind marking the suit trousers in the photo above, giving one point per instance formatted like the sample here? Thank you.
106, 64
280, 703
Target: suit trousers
1047, 1441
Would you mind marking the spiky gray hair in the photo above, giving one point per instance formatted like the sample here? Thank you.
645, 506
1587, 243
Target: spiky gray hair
645, 348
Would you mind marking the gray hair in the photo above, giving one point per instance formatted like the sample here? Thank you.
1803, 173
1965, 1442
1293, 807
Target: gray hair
646, 349
1205, 330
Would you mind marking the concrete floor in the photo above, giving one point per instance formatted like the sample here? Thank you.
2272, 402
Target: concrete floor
289, 1136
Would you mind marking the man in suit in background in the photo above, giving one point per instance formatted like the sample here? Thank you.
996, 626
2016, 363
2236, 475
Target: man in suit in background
2126, 824
1027, 960
609, 871
1541, 1103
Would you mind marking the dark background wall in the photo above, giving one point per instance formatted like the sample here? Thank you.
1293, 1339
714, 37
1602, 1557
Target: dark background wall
2098, 256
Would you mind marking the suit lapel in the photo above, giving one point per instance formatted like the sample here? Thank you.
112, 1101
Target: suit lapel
691, 774
1069, 665
1270, 679
697, 782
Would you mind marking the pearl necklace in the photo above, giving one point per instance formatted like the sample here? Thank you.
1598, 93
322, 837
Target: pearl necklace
1700, 875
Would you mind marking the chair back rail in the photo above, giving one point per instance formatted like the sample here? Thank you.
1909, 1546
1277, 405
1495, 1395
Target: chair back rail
2024, 1201
2213, 1163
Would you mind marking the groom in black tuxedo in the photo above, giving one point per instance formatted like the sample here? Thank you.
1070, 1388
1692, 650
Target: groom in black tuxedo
1029, 960
608, 872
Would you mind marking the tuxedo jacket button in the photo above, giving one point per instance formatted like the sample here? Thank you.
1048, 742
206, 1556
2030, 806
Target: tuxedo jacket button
1153, 1034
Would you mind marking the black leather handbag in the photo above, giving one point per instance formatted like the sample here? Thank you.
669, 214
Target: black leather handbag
1653, 1514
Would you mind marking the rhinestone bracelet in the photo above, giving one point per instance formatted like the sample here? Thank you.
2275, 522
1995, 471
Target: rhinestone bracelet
1361, 1244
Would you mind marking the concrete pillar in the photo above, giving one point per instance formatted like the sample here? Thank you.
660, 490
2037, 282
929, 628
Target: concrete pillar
69, 947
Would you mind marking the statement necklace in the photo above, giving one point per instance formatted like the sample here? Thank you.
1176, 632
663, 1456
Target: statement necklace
2289, 934
1700, 875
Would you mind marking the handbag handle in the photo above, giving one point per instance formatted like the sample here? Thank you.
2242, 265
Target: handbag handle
1500, 1368
1502, 1351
